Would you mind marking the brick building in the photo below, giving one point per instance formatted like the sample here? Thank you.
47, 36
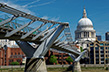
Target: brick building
61, 57
8, 55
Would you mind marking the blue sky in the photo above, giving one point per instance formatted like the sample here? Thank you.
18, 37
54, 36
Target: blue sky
67, 11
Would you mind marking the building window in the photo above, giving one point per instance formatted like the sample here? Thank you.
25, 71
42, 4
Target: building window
106, 51
11, 53
96, 48
91, 44
102, 51
106, 44
15, 53
102, 59
18, 60
18, 53
101, 44
102, 47
102, 55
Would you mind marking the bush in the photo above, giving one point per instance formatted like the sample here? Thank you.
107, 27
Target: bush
70, 68
53, 59
107, 68
14, 63
69, 59
81, 49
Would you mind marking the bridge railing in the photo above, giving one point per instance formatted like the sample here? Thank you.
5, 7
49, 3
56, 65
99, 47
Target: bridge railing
13, 25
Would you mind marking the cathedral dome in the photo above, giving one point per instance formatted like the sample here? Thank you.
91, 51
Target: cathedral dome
85, 22
85, 29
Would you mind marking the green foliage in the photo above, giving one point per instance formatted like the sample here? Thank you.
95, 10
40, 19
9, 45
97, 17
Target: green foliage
69, 59
107, 68
0, 20
53, 59
81, 49
14, 63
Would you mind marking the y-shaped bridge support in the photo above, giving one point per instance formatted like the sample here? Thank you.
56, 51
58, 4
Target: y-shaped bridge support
35, 56
76, 63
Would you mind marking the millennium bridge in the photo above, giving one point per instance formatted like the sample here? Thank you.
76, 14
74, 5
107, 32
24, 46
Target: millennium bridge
46, 39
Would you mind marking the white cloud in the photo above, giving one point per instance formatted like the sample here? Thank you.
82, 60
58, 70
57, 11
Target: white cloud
24, 8
45, 17
51, 18
55, 18
46, 3
19, 7
31, 3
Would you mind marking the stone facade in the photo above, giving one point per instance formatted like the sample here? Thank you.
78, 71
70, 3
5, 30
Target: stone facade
9, 43
98, 52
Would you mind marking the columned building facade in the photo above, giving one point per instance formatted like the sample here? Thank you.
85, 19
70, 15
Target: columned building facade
85, 31
98, 52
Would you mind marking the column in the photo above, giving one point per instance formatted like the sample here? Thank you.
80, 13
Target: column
82, 35
94, 56
99, 56
105, 56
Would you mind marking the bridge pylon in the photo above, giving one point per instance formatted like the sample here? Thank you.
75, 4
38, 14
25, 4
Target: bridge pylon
35, 65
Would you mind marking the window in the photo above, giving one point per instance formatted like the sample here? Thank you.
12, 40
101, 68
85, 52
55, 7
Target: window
11, 53
101, 44
102, 59
18, 60
102, 47
102, 55
106, 44
15, 53
91, 44
96, 48
18, 53
106, 47
102, 51
106, 51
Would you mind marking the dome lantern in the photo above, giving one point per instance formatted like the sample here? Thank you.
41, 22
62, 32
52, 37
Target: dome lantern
84, 13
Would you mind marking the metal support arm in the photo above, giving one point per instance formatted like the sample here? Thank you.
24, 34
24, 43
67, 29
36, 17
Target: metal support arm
27, 34
26, 48
18, 29
46, 44
8, 20
34, 38
78, 59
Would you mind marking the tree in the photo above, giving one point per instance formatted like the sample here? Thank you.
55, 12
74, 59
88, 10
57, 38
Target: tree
14, 63
69, 59
53, 59
81, 49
